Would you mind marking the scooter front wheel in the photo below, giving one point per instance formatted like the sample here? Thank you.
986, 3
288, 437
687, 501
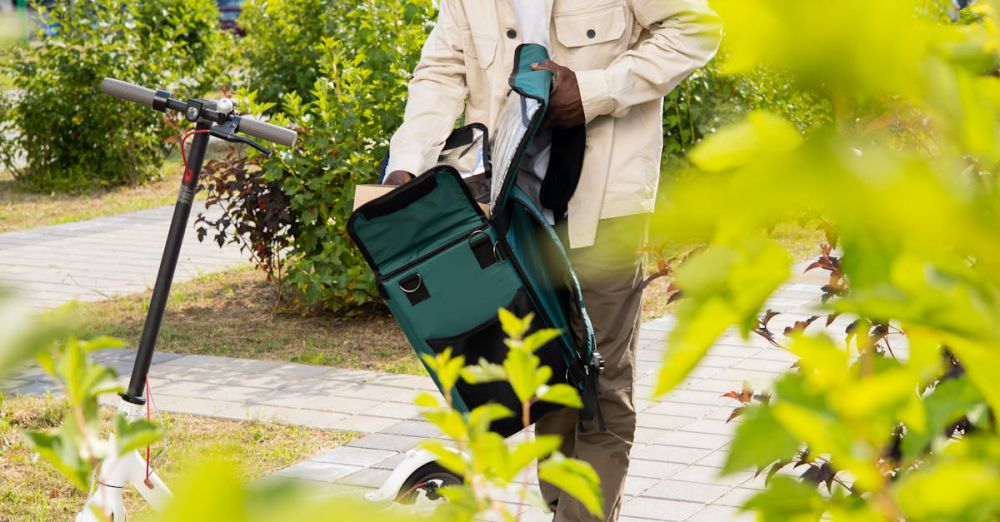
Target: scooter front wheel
424, 483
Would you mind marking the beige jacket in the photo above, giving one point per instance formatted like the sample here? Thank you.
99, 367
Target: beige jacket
627, 55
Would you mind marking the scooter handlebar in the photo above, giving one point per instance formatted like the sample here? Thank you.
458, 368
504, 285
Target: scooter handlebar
128, 91
255, 128
266, 131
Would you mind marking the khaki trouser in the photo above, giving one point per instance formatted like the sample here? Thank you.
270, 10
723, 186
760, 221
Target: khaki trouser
610, 273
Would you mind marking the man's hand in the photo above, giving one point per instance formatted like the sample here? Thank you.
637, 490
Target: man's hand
565, 106
397, 177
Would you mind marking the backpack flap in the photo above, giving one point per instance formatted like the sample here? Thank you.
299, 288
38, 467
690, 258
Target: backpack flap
519, 120
414, 219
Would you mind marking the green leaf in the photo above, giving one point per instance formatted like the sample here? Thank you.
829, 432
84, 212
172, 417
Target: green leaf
724, 286
428, 400
25, 335
563, 394
734, 146
946, 404
952, 489
131, 436
521, 368
540, 339
84, 379
576, 478
460, 505
515, 327
484, 372
759, 441
446, 368
481, 417
62, 452
982, 365
209, 480
823, 364
787, 499
827, 434
690, 341
524, 453
446, 456
449, 421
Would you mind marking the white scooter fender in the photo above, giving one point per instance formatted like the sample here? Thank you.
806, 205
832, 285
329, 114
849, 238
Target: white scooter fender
415, 459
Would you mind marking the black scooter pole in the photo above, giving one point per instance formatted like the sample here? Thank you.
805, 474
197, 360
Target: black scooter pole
171, 252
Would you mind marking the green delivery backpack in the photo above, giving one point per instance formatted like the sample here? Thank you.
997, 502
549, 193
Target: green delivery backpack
444, 267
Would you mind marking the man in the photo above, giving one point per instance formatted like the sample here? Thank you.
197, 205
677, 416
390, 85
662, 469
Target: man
613, 61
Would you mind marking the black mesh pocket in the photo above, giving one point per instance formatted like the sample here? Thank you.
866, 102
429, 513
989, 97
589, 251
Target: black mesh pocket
486, 341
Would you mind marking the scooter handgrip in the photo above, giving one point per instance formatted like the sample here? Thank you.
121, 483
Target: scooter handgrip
128, 91
266, 131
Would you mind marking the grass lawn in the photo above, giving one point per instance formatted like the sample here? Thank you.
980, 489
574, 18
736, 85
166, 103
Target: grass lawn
21, 210
35, 491
230, 314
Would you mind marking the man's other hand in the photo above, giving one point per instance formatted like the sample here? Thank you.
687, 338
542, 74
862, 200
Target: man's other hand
397, 177
565, 106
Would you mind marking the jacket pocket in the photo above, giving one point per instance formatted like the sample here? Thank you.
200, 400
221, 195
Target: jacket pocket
590, 26
485, 47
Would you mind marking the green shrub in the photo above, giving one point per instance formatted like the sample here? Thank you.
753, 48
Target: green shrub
345, 118
284, 40
69, 135
282, 46
709, 100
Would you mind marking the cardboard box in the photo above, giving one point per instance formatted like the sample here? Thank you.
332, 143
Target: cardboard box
365, 193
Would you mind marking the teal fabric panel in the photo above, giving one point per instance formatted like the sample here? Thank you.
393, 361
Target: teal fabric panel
528, 229
462, 295
398, 309
396, 239
525, 237
525, 80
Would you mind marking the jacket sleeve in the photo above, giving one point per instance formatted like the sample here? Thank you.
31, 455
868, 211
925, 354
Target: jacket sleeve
436, 95
683, 36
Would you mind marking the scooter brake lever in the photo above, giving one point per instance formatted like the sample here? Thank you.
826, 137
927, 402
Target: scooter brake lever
241, 139
227, 131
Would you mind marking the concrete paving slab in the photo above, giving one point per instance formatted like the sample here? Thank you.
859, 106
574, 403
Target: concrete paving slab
102, 257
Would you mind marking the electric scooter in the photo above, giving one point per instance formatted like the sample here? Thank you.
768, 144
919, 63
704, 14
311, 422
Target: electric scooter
211, 118
416, 479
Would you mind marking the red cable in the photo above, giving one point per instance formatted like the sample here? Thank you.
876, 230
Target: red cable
184, 139
414, 488
149, 417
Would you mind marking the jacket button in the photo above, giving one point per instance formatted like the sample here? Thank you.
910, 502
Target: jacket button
511, 34
591, 33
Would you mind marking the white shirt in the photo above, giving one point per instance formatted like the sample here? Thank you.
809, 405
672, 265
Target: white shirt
533, 19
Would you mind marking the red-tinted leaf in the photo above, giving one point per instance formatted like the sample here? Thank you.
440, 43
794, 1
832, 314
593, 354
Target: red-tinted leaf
800, 326
820, 474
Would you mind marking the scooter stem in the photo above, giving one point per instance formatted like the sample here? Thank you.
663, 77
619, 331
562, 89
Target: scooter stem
171, 252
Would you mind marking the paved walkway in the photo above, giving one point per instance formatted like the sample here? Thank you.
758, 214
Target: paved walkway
100, 258
680, 443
